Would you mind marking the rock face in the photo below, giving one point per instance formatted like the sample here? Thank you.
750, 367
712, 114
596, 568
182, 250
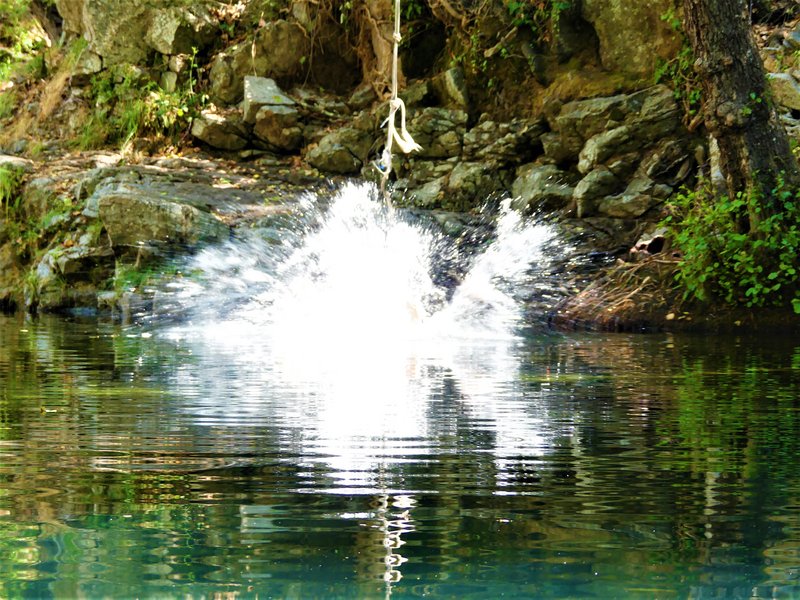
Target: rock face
631, 33
786, 89
223, 131
137, 215
127, 31
278, 50
344, 151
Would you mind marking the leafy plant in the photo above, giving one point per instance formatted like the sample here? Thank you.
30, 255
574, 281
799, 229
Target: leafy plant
10, 180
758, 267
678, 72
541, 16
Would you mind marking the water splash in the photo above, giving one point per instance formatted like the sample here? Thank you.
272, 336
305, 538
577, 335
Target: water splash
342, 314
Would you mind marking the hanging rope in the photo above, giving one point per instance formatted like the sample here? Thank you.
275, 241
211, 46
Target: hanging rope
400, 137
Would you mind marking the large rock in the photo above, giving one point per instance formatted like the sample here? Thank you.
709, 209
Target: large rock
70, 276
640, 196
279, 127
632, 34
71, 12
440, 131
134, 214
279, 50
259, 92
127, 31
470, 183
343, 151
510, 143
223, 131
785, 89
599, 182
540, 187
177, 30
640, 121
116, 29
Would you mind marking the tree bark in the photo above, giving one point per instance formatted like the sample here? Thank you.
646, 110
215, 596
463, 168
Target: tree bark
738, 111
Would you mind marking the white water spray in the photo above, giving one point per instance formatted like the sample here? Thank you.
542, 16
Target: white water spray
347, 321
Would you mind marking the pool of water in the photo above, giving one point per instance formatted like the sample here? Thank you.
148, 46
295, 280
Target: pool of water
153, 461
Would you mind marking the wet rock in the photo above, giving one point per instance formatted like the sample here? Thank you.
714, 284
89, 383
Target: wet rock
450, 88
259, 92
429, 195
220, 130
470, 183
542, 187
785, 89
597, 183
279, 50
343, 151
69, 276
180, 29
439, 131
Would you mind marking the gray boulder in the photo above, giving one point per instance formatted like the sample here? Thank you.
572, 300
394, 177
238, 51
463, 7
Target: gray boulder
117, 29
785, 89
279, 127
450, 88
259, 92
510, 143
640, 196
141, 215
470, 183
599, 182
542, 187
278, 50
176, 30
343, 151
440, 131
223, 131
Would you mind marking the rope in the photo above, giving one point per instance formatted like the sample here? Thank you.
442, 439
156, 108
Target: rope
400, 137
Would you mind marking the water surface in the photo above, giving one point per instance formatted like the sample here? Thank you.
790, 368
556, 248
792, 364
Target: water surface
306, 441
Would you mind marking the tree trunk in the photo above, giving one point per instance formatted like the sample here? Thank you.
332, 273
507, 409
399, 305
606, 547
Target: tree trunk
753, 146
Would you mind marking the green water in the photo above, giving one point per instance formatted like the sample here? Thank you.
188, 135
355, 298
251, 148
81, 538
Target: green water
133, 463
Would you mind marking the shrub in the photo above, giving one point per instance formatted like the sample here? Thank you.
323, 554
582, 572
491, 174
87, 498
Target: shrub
721, 261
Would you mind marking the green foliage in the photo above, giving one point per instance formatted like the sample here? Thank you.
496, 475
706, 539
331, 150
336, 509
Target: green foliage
758, 267
128, 104
10, 181
541, 16
678, 72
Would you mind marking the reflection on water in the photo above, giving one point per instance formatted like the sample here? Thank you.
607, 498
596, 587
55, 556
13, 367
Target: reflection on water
613, 466
284, 446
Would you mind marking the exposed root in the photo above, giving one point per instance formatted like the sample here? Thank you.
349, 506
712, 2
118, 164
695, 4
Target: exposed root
629, 296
